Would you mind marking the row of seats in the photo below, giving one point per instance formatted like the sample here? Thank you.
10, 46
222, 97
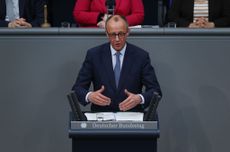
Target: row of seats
61, 11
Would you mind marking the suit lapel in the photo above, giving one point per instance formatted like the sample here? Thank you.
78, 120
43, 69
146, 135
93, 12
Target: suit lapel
126, 67
107, 63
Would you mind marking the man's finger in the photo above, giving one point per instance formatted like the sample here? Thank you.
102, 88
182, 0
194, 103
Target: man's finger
127, 92
99, 101
101, 90
123, 105
104, 98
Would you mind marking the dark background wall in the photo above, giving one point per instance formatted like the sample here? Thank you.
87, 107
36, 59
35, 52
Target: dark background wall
38, 70
60, 11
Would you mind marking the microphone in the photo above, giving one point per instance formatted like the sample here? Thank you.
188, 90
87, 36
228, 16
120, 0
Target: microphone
150, 114
74, 104
110, 4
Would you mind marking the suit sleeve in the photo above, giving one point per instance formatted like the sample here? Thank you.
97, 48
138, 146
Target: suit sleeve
137, 13
223, 20
38, 14
150, 81
3, 23
84, 79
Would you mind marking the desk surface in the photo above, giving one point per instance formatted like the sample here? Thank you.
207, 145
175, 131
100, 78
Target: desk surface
96, 31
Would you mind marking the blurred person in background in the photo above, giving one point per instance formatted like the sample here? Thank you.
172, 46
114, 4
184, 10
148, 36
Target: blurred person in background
200, 13
21, 13
93, 13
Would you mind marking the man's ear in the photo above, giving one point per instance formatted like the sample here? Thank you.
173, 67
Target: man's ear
107, 34
127, 34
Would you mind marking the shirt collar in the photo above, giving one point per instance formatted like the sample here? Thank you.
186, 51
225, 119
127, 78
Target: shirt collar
113, 51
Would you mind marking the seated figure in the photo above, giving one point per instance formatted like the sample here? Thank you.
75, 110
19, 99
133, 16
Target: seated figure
21, 13
93, 13
200, 13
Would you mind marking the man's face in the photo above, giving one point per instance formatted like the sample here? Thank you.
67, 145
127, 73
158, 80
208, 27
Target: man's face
117, 33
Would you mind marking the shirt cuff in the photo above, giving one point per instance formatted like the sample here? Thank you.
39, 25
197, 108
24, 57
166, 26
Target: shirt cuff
86, 97
142, 99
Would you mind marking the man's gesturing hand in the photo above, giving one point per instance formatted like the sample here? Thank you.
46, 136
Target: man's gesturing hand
130, 102
98, 98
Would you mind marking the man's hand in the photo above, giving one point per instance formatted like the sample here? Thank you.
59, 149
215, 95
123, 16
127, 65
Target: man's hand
24, 24
129, 103
101, 24
21, 22
209, 25
14, 24
98, 98
202, 23
193, 25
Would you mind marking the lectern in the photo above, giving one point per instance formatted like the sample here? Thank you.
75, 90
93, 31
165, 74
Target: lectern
114, 136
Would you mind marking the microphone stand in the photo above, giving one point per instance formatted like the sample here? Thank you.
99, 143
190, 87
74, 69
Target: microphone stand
45, 24
110, 4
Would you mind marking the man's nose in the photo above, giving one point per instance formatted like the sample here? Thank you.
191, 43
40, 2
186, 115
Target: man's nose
117, 38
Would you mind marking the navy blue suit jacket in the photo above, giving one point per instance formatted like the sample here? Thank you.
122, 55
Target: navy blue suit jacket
136, 72
31, 10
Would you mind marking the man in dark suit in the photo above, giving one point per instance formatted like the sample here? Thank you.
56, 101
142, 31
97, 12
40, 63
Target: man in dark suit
118, 71
28, 13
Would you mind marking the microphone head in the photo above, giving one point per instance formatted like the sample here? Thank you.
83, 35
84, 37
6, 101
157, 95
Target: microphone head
110, 3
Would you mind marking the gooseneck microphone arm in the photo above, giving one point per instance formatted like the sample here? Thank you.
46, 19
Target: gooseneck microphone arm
110, 4
150, 114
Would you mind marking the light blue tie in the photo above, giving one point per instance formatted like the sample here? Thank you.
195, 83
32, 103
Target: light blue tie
117, 69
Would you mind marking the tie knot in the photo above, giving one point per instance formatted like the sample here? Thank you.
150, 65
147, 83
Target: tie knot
118, 54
